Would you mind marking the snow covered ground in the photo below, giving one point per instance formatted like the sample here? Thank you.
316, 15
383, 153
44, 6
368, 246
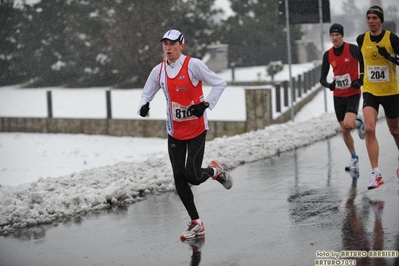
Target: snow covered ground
48, 177
25, 157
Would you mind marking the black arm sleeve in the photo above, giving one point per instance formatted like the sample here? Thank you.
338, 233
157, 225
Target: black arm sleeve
325, 68
355, 52
395, 45
359, 41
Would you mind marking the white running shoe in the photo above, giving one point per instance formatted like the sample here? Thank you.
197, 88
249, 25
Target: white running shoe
375, 181
222, 175
352, 164
194, 229
360, 130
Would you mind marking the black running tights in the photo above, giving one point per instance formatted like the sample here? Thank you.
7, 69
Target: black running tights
186, 158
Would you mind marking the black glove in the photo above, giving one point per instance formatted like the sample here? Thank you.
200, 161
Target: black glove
383, 51
198, 109
331, 86
358, 82
144, 109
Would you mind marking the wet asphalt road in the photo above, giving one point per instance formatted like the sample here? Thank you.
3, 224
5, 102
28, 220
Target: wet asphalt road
281, 211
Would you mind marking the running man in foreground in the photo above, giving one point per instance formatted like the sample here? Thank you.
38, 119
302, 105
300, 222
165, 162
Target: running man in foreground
180, 77
344, 59
379, 49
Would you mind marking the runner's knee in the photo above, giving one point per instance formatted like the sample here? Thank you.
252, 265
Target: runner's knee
369, 131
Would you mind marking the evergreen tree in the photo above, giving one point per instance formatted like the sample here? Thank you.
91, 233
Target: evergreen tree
43, 50
10, 21
133, 32
102, 43
254, 35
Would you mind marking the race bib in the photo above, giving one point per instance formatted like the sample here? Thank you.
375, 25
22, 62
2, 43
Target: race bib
181, 113
378, 73
343, 82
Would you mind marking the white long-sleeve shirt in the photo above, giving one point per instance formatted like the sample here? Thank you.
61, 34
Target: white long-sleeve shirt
198, 71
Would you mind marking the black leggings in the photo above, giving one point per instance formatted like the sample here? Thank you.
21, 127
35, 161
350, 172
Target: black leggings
343, 105
188, 171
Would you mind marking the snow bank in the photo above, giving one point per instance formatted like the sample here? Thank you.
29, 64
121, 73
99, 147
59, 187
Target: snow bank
52, 200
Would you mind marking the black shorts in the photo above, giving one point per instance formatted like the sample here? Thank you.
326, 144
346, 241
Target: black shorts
343, 105
389, 103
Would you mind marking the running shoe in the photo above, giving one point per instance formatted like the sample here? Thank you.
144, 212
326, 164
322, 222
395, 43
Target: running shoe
193, 230
352, 164
375, 180
360, 130
222, 176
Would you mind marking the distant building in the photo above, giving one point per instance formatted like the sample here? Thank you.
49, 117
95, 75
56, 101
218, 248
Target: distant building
217, 58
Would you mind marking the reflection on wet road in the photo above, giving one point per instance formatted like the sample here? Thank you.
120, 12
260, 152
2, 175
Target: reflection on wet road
296, 209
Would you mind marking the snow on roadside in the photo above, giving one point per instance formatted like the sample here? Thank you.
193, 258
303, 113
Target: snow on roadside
52, 200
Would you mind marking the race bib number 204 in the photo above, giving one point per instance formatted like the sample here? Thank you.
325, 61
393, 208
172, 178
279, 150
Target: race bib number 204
378, 73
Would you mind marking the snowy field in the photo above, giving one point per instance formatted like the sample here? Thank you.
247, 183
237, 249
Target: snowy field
47, 177
53, 155
91, 103
25, 157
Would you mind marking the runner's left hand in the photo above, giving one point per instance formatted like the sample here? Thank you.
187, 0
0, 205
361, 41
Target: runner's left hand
383, 51
197, 109
357, 83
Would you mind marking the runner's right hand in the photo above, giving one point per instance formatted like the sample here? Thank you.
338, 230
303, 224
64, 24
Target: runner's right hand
331, 86
144, 109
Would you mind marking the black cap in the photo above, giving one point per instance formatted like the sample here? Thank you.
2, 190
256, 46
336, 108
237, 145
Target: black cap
337, 28
376, 10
